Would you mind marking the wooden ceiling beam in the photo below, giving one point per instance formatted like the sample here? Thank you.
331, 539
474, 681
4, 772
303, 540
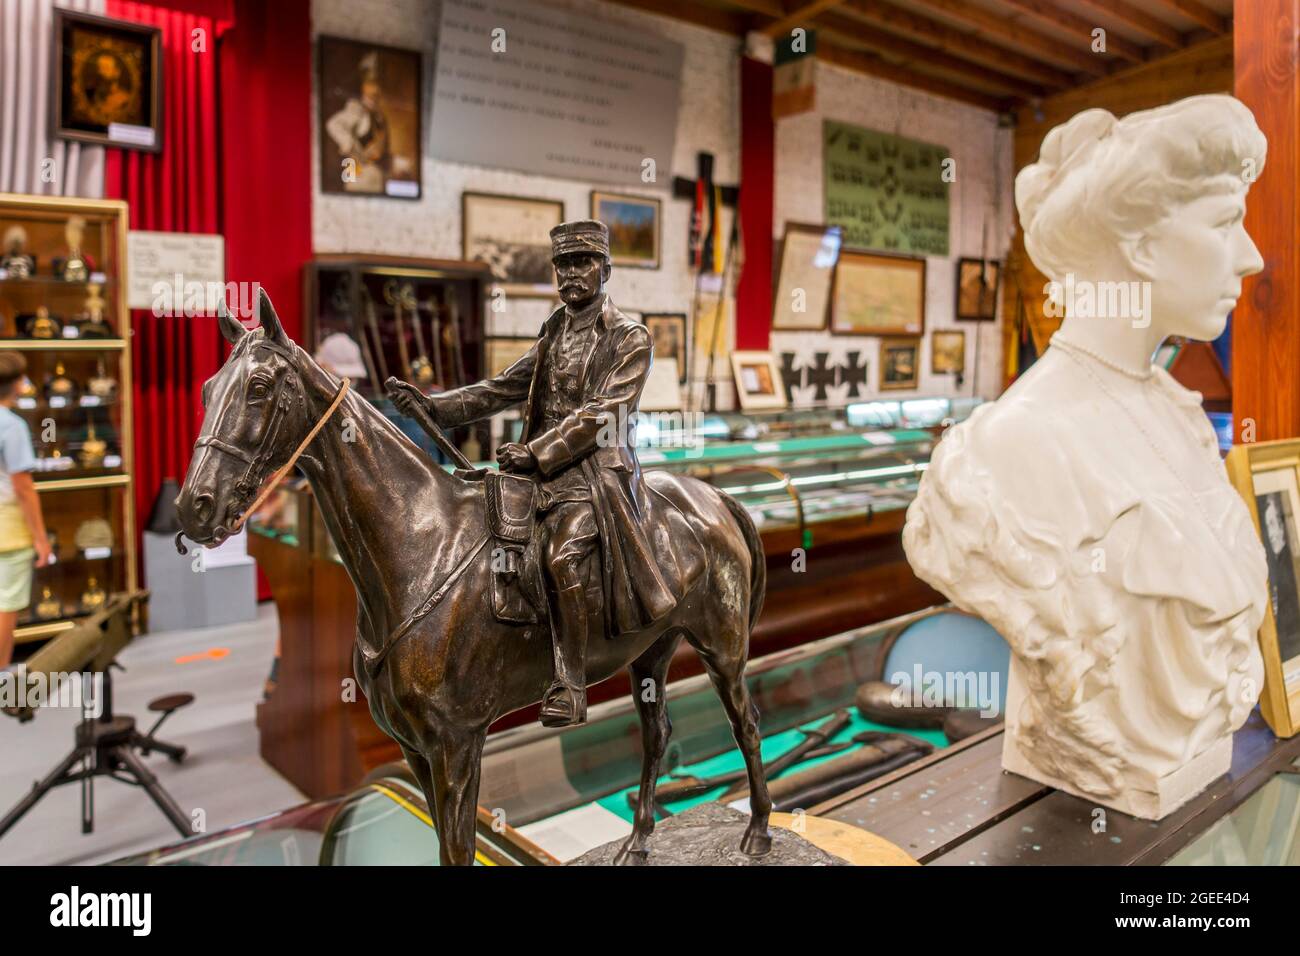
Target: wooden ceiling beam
1200, 14
873, 65
1076, 26
801, 16
945, 38
856, 35
767, 8
1040, 46
701, 15
1124, 12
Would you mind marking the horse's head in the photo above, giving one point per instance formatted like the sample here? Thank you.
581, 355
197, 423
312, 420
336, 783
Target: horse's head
256, 413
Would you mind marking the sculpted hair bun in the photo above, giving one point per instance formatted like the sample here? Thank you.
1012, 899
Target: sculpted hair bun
1065, 146
1100, 183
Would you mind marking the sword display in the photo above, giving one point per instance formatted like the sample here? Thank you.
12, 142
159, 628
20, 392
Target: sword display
393, 295
435, 335
457, 367
420, 365
373, 323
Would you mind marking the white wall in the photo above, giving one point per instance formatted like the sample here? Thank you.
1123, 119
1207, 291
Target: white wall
982, 153
708, 120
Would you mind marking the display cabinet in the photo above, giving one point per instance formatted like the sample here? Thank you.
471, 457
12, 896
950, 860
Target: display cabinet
418, 320
63, 305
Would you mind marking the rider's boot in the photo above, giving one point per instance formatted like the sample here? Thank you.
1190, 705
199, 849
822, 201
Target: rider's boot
565, 703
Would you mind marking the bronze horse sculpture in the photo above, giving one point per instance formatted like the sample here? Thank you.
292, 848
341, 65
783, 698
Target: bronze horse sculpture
436, 667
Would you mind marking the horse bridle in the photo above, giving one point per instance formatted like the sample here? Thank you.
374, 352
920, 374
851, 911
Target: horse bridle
258, 462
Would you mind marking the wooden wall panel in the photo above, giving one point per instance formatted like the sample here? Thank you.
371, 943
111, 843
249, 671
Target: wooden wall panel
1265, 337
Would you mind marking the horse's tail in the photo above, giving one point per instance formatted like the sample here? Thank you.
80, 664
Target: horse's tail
757, 559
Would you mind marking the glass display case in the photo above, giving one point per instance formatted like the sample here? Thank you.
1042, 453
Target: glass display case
795, 470
63, 305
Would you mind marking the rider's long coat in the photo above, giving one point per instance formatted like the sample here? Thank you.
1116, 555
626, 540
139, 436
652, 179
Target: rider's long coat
615, 373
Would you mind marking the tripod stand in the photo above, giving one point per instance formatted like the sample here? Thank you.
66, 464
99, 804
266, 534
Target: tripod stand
105, 747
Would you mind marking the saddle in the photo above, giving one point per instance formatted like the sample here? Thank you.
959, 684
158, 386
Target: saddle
510, 502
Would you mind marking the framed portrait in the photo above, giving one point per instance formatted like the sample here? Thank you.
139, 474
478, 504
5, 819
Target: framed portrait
369, 119
107, 81
758, 380
803, 289
877, 294
512, 234
668, 331
947, 351
899, 363
977, 289
633, 222
502, 351
1267, 476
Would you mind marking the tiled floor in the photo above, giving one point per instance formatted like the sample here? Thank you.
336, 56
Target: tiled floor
223, 775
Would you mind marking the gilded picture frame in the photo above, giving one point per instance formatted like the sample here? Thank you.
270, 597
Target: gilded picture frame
106, 84
900, 363
635, 228
874, 293
758, 380
1267, 476
809, 254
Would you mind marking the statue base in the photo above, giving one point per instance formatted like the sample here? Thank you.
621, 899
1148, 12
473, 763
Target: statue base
1144, 802
709, 835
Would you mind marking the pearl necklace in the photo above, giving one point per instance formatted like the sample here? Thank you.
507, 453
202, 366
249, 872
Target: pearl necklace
1063, 342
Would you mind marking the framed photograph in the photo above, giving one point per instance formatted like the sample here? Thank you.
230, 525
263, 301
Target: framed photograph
1267, 476
758, 380
877, 294
899, 363
369, 119
947, 351
512, 234
501, 352
668, 330
803, 289
107, 81
633, 222
977, 289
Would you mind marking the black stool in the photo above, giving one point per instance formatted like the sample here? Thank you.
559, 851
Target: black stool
166, 706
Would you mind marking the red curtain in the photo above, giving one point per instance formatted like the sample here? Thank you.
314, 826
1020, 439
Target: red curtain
757, 178
236, 159
172, 191
266, 124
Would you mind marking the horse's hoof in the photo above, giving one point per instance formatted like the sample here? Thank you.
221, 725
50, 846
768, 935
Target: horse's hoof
631, 856
756, 843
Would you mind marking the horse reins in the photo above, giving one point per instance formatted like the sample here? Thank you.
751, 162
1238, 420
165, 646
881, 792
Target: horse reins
248, 481
293, 459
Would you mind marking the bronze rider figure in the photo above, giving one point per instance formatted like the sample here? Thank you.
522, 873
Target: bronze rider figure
580, 385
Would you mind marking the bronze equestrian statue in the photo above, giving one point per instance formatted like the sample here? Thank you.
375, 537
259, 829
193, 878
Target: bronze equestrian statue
452, 571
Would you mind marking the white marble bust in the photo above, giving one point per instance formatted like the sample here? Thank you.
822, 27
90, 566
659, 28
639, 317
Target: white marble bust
1086, 514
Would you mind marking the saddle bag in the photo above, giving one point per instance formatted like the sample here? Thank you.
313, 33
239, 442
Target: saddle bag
511, 505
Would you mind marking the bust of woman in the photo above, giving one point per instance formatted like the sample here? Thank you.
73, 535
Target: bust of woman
1086, 513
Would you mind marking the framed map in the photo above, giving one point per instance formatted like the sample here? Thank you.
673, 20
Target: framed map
873, 294
887, 192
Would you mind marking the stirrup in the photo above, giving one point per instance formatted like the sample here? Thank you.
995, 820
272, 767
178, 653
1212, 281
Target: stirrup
563, 706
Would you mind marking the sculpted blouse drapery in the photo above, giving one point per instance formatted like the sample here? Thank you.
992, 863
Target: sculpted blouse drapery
1086, 514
